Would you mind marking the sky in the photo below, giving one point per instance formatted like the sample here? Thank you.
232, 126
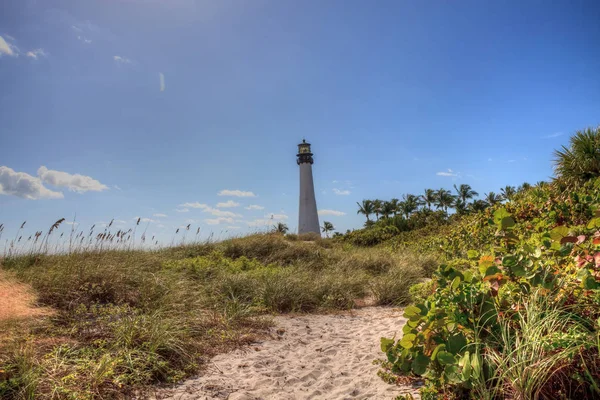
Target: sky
187, 111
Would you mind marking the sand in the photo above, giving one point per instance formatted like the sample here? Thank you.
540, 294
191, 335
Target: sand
308, 357
17, 300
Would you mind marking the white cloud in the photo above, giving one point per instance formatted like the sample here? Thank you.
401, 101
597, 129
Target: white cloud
511, 161
331, 212
260, 222
553, 135
193, 205
161, 78
36, 53
341, 192
71, 223
7, 48
76, 28
449, 173
232, 227
74, 182
217, 221
117, 187
122, 60
236, 193
181, 210
84, 39
254, 207
159, 215
23, 185
228, 204
221, 213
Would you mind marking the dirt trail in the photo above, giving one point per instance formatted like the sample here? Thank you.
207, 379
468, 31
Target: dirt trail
17, 300
309, 357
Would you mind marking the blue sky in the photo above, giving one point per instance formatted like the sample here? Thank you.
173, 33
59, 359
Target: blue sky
395, 96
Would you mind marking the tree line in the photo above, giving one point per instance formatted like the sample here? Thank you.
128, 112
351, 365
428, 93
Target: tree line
464, 201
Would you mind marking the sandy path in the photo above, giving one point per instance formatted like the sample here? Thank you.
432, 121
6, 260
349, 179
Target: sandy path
310, 357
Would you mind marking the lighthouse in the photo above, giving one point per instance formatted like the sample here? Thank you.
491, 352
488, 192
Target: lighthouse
308, 219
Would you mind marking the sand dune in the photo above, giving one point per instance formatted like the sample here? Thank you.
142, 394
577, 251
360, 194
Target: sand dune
309, 357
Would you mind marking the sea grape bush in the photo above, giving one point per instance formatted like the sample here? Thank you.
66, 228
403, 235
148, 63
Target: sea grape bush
545, 244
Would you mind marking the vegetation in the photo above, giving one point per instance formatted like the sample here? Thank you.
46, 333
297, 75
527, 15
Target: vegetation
513, 311
125, 319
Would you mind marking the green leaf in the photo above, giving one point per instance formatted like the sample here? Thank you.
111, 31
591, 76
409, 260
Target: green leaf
468, 276
507, 222
558, 233
518, 270
407, 340
475, 366
493, 270
445, 358
386, 344
455, 283
442, 346
456, 343
412, 312
451, 374
594, 223
499, 215
419, 364
465, 363
472, 254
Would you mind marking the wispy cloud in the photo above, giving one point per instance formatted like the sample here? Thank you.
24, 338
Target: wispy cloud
232, 227
217, 221
74, 182
182, 210
8, 48
193, 205
159, 215
228, 204
511, 161
220, 213
447, 173
254, 207
235, 193
36, 53
341, 192
334, 213
121, 60
553, 135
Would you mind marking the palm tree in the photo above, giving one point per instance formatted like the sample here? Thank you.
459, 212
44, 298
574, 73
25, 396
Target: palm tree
478, 205
280, 228
409, 205
377, 204
443, 199
327, 227
493, 198
465, 192
508, 192
396, 205
581, 160
366, 208
387, 208
428, 198
524, 187
461, 206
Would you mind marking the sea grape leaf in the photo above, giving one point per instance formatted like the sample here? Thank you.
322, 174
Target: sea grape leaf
456, 343
407, 340
420, 363
386, 344
445, 358
558, 233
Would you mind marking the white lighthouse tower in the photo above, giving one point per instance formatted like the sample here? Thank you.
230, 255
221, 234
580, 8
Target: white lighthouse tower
308, 219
